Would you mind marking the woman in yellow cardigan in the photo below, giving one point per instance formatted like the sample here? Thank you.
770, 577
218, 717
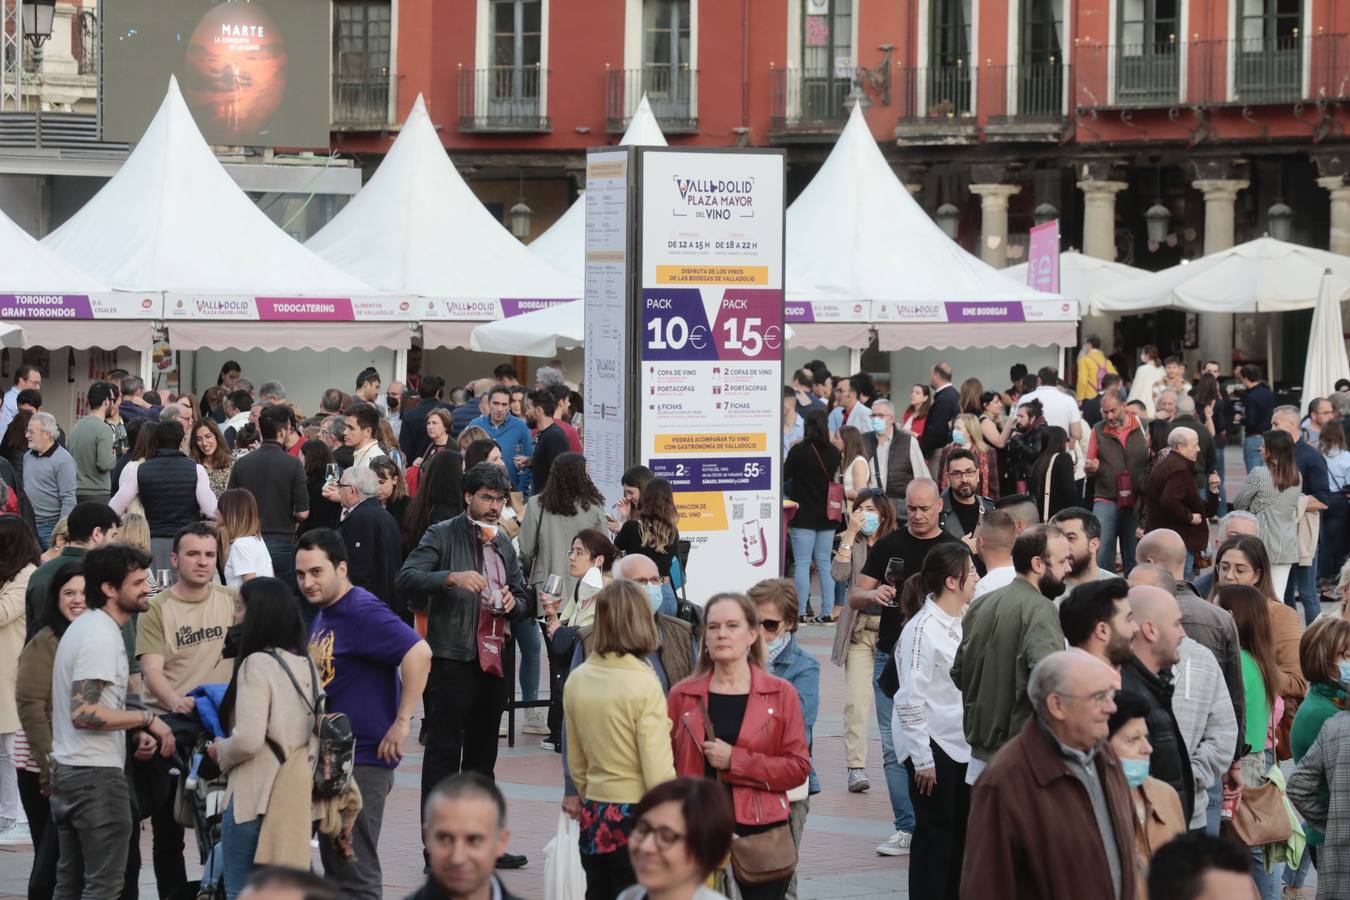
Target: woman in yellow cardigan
618, 734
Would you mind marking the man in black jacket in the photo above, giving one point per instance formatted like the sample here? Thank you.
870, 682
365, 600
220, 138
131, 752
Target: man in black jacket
466, 566
1157, 647
374, 542
412, 438
937, 430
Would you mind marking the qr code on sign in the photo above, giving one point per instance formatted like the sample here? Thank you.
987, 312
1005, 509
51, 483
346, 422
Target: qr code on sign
738, 511
765, 510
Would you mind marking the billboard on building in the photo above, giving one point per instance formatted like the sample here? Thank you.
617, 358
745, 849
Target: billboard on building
253, 72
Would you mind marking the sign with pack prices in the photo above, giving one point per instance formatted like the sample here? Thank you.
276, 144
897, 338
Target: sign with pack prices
710, 333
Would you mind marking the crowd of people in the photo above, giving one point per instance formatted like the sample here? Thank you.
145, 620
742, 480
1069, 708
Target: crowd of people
1070, 676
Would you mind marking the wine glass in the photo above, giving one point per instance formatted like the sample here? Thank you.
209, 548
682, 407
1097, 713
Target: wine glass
332, 472
551, 593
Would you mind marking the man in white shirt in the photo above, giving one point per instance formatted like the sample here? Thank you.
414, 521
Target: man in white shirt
994, 541
363, 428
26, 377
850, 409
91, 801
1060, 409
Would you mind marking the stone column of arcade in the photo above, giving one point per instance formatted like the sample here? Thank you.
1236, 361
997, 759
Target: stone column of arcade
1216, 329
994, 221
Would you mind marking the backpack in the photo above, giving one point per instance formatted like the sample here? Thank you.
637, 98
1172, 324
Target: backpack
337, 744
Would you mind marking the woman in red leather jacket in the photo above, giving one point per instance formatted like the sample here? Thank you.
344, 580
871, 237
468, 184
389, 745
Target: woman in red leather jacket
758, 746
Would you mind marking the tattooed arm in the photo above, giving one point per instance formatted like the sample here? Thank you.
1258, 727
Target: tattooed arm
87, 713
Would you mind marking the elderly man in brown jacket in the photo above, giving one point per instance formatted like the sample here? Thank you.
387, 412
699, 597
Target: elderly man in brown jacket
1052, 816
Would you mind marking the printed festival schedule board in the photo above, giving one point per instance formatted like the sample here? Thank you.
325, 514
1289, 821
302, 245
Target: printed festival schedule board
709, 333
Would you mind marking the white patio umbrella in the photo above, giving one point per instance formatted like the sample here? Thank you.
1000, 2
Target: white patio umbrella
1082, 276
1327, 362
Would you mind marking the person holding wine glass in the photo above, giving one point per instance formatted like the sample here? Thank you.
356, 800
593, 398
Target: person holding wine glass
874, 592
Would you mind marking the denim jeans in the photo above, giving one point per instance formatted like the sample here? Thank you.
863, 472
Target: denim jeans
812, 546
238, 844
1214, 812
91, 806
362, 878
44, 533
1251, 451
1302, 585
1115, 523
897, 782
1331, 541
529, 645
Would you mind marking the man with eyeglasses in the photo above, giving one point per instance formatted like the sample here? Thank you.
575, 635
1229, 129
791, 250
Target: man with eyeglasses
468, 575
963, 507
1055, 799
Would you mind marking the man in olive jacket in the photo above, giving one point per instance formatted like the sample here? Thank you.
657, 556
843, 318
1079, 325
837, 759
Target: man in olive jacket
464, 566
1005, 634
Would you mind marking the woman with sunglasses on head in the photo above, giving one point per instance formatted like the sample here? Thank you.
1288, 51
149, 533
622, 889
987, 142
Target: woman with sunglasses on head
855, 632
775, 602
682, 835
735, 722
926, 722
1242, 559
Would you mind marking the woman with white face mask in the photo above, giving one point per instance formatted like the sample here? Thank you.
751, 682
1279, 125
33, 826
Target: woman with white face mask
855, 633
1158, 817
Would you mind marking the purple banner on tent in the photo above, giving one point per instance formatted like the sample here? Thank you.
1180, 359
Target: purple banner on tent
520, 307
985, 312
718, 474
45, 306
799, 311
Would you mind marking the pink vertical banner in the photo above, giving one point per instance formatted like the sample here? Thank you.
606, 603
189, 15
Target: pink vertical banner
1043, 258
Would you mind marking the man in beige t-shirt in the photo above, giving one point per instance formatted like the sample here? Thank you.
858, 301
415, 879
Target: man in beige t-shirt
178, 641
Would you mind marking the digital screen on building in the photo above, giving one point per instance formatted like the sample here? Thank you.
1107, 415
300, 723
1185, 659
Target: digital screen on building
253, 72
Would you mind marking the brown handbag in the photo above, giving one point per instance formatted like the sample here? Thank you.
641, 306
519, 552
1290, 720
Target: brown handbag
835, 498
767, 856
1261, 817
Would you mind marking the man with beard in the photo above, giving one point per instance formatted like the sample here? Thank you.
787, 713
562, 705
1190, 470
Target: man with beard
962, 508
550, 441
1084, 533
1097, 618
1148, 673
1006, 633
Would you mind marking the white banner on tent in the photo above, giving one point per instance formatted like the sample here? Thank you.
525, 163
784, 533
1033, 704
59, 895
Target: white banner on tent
977, 312
827, 311
32, 307
236, 307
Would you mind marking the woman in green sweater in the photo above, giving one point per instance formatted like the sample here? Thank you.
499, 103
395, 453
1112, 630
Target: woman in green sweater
1324, 654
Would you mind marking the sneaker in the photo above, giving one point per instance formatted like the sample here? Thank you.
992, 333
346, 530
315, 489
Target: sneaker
16, 833
898, 845
857, 781
550, 743
535, 722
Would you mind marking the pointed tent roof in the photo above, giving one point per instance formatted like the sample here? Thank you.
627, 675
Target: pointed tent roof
172, 219
855, 233
416, 227
29, 267
564, 244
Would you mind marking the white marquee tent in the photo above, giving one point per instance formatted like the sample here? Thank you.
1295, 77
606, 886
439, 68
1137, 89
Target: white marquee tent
564, 244
27, 267
856, 234
540, 333
417, 228
1264, 275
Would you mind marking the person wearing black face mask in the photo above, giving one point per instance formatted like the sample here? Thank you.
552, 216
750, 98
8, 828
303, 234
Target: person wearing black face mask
1008, 631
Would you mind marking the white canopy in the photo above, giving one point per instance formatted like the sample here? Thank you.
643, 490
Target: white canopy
172, 219
855, 233
1327, 362
417, 228
1081, 277
27, 267
564, 244
540, 333
1264, 275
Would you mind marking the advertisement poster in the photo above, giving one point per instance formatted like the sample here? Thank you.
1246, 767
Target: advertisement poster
607, 275
711, 349
253, 72
1043, 258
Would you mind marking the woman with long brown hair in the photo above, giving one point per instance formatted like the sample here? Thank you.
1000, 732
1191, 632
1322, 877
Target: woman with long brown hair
1260, 675
735, 722
854, 471
971, 392
916, 414
855, 632
1271, 492
655, 533
243, 555
207, 449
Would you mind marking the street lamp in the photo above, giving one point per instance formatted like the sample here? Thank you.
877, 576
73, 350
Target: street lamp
948, 217
1279, 220
1046, 212
521, 214
1157, 218
37, 20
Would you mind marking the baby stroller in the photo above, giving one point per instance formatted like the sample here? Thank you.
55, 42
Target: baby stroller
199, 801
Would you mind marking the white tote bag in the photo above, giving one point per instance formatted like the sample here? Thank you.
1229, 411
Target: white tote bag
564, 879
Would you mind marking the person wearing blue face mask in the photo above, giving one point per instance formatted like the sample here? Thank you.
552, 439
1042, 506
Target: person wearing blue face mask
1324, 657
1159, 817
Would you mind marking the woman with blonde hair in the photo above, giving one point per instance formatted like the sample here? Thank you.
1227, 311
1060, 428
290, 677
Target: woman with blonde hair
968, 432
1271, 492
617, 728
243, 554
471, 434
207, 448
735, 722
